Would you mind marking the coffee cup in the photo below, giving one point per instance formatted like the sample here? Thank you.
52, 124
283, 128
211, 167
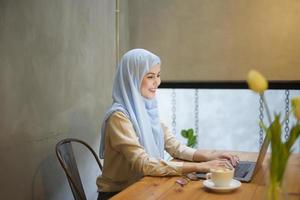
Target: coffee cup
221, 177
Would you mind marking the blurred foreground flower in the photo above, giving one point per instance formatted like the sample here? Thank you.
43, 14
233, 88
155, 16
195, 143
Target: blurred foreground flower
256, 81
296, 107
280, 150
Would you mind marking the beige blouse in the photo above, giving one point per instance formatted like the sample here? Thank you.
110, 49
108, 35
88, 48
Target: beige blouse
125, 160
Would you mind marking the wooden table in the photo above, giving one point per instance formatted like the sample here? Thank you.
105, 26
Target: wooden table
166, 188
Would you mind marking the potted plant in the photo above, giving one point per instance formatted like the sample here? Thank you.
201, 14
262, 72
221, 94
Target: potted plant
190, 136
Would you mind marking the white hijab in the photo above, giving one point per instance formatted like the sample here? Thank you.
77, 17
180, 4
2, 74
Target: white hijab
127, 98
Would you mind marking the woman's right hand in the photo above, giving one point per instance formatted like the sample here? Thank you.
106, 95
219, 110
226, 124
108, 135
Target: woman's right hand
217, 163
189, 167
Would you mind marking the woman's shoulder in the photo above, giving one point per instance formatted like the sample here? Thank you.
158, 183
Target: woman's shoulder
118, 115
118, 121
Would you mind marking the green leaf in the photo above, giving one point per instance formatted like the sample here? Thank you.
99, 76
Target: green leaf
190, 133
190, 136
274, 134
191, 130
263, 126
184, 133
294, 134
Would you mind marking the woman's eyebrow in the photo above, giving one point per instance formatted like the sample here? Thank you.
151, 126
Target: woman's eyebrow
152, 73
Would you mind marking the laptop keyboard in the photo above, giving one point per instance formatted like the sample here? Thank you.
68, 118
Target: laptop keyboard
241, 170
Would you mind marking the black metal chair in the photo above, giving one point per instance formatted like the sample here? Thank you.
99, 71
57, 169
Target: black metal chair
66, 157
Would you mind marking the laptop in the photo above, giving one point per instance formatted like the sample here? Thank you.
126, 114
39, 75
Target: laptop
245, 170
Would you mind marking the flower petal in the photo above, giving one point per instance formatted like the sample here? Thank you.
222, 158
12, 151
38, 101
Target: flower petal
256, 81
296, 107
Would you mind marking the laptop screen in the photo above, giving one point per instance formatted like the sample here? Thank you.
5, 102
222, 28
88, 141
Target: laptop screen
262, 153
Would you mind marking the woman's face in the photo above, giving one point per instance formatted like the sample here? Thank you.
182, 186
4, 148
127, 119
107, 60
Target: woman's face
150, 82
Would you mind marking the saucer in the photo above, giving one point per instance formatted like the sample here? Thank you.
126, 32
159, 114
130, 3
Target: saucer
233, 185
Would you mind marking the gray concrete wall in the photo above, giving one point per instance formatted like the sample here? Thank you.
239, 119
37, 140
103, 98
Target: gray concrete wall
215, 39
124, 27
57, 60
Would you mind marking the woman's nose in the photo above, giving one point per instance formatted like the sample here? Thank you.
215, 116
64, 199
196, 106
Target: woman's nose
156, 82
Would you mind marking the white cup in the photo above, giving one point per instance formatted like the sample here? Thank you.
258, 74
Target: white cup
220, 177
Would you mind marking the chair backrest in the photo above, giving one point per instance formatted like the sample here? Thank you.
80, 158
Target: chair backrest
66, 157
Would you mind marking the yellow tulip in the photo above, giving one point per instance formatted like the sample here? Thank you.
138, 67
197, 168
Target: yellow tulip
256, 81
296, 107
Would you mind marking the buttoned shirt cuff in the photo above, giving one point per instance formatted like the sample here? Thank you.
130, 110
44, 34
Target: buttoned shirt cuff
178, 166
189, 153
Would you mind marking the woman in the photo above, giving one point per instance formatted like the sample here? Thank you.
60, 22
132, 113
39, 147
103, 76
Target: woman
132, 138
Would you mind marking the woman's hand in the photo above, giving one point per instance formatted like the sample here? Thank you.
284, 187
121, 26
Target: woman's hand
218, 163
189, 167
234, 159
200, 156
